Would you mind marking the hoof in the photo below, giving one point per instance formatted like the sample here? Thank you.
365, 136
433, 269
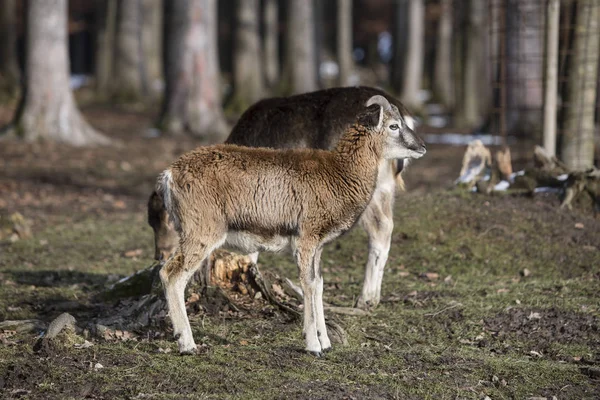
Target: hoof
188, 352
327, 350
365, 305
317, 354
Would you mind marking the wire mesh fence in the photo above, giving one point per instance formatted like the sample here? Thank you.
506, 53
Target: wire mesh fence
518, 65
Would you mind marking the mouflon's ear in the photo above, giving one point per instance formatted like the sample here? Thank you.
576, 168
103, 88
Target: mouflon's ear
372, 117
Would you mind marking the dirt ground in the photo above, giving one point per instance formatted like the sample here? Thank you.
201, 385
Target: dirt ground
483, 296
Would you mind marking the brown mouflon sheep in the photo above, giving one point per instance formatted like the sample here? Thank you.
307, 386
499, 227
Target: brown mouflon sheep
259, 199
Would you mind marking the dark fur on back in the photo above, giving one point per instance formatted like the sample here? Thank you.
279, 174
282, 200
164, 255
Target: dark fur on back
312, 120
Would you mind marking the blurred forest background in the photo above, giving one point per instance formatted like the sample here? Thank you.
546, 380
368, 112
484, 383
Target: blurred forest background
487, 295
523, 68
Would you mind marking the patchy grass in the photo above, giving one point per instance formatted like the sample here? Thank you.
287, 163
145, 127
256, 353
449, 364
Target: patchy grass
483, 296
477, 328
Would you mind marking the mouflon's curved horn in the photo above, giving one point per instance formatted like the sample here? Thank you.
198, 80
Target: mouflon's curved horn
379, 100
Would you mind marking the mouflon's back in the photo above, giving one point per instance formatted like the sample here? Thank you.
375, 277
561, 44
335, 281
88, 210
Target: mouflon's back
310, 120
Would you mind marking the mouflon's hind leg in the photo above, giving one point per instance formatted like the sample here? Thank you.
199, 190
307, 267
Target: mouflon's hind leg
304, 254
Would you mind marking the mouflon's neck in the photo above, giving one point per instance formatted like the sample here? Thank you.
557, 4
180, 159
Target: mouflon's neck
359, 141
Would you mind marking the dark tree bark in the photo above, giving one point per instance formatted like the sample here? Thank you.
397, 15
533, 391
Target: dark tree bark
344, 41
400, 28
106, 21
413, 71
524, 45
443, 82
271, 43
128, 81
192, 102
48, 110
577, 145
152, 35
247, 67
10, 74
300, 60
469, 103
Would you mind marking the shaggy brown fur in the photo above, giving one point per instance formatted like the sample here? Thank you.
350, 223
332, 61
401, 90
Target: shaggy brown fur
258, 199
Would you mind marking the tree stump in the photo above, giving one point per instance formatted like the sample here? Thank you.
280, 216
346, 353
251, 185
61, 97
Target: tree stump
476, 163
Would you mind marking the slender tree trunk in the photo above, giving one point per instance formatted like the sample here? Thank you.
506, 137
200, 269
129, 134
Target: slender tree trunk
468, 106
415, 54
128, 80
192, 102
106, 22
442, 84
524, 42
48, 110
344, 41
551, 75
152, 22
271, 43
247, 67
300, 63
577, 149
399, 60
10, 74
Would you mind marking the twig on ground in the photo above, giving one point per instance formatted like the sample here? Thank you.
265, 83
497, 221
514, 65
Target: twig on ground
443, 310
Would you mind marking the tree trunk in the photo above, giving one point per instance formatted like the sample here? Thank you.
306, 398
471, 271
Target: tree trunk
271, 43
524, 43
48, 110
192, 102
468, 105
152, 22
442, 84
128, 81
106, 11
577, 148
300, 64
415, 54
344, 41
551, 75
247, 68
399, 61
10, 74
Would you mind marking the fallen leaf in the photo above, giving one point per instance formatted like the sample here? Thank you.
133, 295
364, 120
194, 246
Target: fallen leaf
194, 297
119, 204
244, 342
403, 274
432, 276
536, 353
534, 315
98, 366
278, 290
579, 225
448, 279
133, 253
84, 345
525, 273
502, 290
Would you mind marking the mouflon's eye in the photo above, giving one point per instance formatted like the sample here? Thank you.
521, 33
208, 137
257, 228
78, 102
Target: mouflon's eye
394, 127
